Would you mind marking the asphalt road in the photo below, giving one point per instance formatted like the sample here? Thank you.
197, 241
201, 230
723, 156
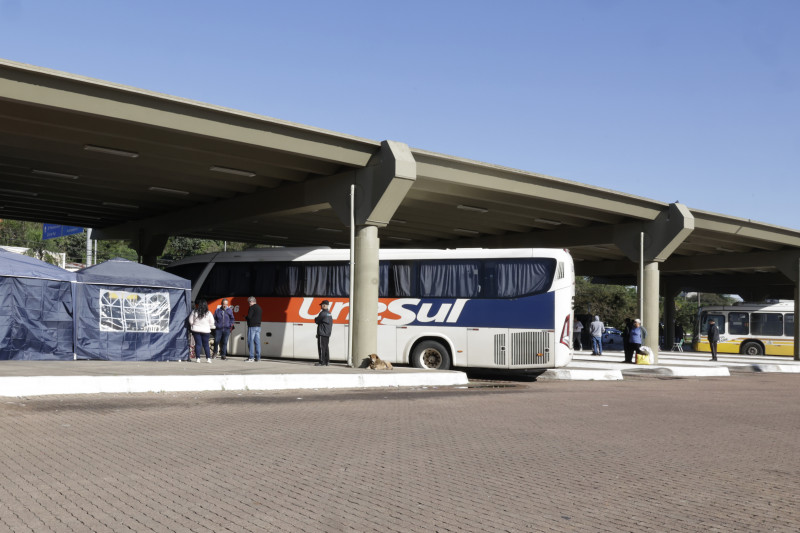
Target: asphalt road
713, 454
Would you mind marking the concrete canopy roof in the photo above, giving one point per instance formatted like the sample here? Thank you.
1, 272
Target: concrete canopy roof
124, 161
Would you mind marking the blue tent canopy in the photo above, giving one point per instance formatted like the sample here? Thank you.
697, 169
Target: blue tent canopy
36, 309
126, 311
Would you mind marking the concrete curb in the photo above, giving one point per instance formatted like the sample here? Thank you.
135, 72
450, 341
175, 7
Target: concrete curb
678, 371
579, 374
766, 368
54, 385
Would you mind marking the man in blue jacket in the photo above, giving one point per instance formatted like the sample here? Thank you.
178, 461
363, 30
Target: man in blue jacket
223, 322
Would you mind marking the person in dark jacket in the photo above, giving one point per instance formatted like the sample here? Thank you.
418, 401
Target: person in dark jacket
626, 341
324, 322
223, 322
713, 338
254, 330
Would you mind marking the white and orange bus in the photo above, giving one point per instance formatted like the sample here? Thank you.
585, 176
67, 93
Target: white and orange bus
750, 329
437, 308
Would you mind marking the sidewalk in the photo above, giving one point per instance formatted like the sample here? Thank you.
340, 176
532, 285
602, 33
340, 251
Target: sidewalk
36, 378
609, 366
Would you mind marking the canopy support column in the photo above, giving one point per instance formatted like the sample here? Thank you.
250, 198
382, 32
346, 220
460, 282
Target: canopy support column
670, 314
650, 317
149, 247
365, 295
649, 244
379, 189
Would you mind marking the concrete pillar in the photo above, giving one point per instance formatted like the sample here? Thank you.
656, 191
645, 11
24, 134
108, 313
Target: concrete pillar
364, 315
650, 311
669, 316
149, 247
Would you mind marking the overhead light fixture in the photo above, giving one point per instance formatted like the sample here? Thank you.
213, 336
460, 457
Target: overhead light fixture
466, 231
124, 206
547, 221
329, 230
399, 221
234, 171
279, 237
48, 174
398, 239
721, 249
110, 151
20, 193
473, 209
168, 191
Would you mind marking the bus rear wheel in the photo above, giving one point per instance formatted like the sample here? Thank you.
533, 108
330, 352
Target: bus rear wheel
752, 348
432, 355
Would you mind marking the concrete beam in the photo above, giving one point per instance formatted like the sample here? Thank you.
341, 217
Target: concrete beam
381, 186
662, 235
149, 246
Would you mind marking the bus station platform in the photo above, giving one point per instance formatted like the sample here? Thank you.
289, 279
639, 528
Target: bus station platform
37, 378
609, 366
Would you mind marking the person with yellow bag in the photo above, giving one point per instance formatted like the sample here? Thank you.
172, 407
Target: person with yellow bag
637, 336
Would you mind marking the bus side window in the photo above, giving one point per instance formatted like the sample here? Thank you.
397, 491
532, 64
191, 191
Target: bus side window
228, 279
738, 323
767, 324
290, 280
788, 325
403, 281
449, 279
719, 319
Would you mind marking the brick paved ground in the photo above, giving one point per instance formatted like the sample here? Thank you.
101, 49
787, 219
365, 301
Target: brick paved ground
637, 455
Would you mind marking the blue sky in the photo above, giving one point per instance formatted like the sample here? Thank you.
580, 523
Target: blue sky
696, 101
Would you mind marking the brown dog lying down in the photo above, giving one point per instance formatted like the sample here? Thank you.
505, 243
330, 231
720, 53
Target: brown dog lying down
376, 363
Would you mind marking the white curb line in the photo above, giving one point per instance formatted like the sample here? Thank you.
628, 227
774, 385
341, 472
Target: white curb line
581, 374
679, 371
767, 368
47, 385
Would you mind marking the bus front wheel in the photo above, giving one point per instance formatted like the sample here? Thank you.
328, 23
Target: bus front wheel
432, 355
752, 348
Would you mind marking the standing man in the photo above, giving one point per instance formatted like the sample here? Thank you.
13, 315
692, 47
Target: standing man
223, 320
324, 322
577, 332
596, 329
254, 330
713, 338
626, 340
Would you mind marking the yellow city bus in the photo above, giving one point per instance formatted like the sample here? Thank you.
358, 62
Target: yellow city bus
749, 329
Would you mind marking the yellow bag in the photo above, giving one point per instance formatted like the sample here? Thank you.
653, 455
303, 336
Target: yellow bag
643, 358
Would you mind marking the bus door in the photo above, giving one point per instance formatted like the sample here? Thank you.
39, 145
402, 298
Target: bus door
277, 339
487, 347
305, 340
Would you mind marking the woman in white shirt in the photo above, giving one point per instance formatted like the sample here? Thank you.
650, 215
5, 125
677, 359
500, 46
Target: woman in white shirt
202, 322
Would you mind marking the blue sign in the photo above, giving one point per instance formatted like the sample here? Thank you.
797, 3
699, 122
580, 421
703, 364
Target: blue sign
52, 231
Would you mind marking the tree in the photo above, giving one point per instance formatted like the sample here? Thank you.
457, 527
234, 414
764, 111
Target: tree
28, 235
613, 303
180, 247
686, 308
